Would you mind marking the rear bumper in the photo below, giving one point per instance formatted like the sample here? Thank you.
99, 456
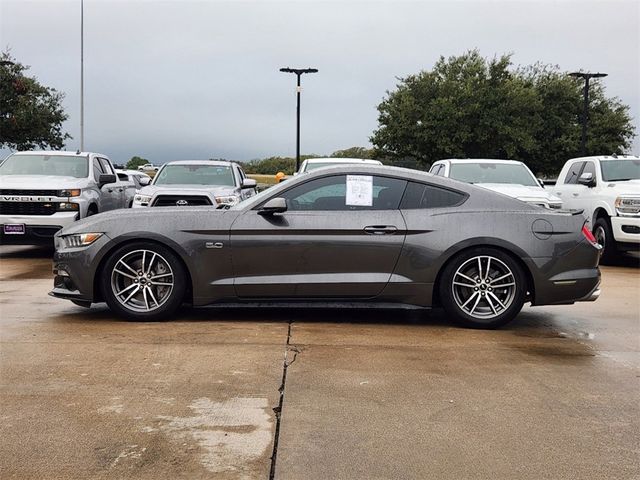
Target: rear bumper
39, 229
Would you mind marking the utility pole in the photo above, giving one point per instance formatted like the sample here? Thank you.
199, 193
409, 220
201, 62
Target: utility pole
299, 72
82, 75
585, 112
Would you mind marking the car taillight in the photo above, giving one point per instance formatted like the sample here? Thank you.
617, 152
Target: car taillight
588, 235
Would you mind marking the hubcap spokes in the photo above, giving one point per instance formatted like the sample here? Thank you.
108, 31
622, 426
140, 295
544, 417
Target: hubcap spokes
142, 280
483, 287
601, 237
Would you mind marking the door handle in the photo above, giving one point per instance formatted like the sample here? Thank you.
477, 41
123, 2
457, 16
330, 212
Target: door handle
575, 194
110, 190
119, 189
380, 230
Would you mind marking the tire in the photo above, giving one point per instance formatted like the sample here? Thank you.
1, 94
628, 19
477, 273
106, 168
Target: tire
470, 296
91, 211
604, 235
128, 286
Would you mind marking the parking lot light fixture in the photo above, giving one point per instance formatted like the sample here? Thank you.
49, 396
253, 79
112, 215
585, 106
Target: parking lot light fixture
299, 72
585, 112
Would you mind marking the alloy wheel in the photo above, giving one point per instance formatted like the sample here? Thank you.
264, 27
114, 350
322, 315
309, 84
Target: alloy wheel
483, 287
601, 235
142, 280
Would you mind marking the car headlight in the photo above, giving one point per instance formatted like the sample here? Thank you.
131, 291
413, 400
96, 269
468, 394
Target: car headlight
142, 199
80, 239
70, 193
228, 200
67, 206
628, 206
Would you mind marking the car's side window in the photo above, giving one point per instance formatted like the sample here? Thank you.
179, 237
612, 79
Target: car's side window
106, 166
123, 177
97, 170
420, 195
434, 169
589, 167
573, 173
330, 194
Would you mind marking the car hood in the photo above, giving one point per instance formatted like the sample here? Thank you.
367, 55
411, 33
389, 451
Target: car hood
627, 187
520, 191
41, 182
117, 222
190, 189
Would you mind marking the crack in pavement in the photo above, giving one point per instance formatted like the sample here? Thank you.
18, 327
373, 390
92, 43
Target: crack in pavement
278, 409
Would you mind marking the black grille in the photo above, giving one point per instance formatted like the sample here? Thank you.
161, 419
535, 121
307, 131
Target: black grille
43, 193
27, 208
171, 200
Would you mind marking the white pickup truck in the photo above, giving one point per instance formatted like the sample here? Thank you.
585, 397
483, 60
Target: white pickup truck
607, 188
44, 191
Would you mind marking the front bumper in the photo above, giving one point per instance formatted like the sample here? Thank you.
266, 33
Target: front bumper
39, 229
626, 229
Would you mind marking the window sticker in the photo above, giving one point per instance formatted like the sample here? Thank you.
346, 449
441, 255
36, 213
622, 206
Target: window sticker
359, 190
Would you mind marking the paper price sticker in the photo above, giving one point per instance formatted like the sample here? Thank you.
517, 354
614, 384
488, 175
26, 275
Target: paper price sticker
359, 190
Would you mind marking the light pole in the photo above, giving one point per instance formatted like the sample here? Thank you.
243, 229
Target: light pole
585, 112
299, 72
82, 75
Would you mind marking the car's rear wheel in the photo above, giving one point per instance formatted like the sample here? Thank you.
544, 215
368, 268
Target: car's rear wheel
483, 288
604, 236
143, 281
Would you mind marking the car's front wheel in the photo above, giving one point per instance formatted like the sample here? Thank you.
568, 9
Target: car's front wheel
483, 288
604, 236
143, 281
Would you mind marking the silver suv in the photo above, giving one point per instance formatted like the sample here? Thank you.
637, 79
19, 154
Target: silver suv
196, 182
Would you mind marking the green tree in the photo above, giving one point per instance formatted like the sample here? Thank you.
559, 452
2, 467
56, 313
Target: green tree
31, 115
472, 107
354, 152
273, 165
136, 162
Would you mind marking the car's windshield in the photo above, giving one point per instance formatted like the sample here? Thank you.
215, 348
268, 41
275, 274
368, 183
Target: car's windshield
56, 165
619, 170
195, 175
493, 173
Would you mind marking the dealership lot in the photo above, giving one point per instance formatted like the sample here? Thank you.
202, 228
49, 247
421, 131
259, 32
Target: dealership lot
368, 393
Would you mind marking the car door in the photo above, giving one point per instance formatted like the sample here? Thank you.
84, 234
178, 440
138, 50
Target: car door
330, 243
113, 193
244, 192
570, 190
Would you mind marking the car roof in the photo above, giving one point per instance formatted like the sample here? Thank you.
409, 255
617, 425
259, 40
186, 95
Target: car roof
219, 163
606, 157
343, 160
58, 152
479, 160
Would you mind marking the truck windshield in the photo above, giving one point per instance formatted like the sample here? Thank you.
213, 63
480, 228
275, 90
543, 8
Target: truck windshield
511, 173
56, 165
195, 175
620, 170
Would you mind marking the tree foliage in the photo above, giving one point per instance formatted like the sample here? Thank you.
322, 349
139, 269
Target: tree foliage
468, 106
31, 115
136, 162
273, 165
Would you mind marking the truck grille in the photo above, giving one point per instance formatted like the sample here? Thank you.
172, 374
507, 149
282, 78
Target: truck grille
42, 193
27, 208
172, 200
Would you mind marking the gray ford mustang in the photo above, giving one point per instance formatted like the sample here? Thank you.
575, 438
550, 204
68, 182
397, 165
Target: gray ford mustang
342, 234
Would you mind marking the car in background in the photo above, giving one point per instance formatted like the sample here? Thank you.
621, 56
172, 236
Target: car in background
196, 183
607, 188
135, 180
148, 167
508, 177
44, 191
350, 234
314, 163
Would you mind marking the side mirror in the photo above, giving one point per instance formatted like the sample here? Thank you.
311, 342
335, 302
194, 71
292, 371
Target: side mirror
275, 205
249, 183
144, 181
587, 180
106, 178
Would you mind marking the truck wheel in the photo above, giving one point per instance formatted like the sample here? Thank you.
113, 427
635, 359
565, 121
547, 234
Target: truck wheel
483, 288
604, 235
143, 281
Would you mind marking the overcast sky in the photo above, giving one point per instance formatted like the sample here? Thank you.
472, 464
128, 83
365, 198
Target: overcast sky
186, 79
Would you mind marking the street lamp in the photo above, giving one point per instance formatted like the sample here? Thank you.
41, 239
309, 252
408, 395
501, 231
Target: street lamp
585, 113
299, 72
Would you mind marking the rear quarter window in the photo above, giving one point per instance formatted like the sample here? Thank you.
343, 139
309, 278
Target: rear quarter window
420, 195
